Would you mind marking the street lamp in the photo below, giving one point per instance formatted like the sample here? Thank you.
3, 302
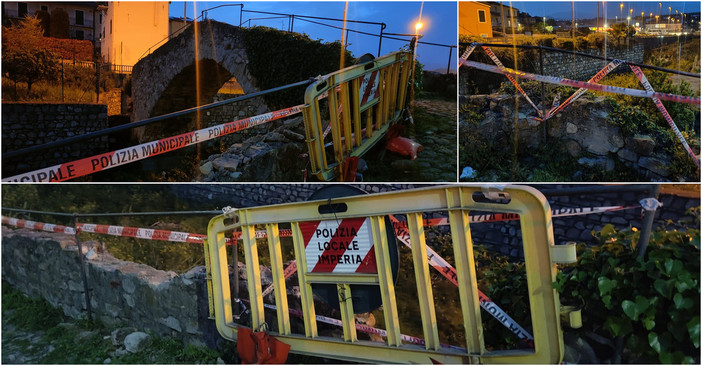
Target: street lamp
621, 7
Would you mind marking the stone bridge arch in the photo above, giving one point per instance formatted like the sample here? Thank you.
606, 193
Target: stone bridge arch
164, 81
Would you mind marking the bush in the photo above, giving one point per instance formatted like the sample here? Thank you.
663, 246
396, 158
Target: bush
650, 305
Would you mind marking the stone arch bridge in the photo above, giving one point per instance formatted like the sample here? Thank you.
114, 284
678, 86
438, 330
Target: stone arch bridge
164, 81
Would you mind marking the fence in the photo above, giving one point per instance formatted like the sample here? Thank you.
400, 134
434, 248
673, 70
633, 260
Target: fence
75, 81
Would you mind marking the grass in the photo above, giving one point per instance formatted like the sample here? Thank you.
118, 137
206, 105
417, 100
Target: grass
61, 340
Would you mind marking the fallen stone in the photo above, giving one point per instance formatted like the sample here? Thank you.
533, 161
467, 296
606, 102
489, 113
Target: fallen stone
571, 128
136, 341
117, 336
226, 163
206, 168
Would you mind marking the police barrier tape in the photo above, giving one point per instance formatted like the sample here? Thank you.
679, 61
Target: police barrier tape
361, 327
38, 225
642, 78
177, 236
94, 164
447, 270
599, 76
582, 84
511, 78
435, 260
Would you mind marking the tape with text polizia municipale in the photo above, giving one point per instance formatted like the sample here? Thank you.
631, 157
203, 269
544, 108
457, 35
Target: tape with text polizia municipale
97, 163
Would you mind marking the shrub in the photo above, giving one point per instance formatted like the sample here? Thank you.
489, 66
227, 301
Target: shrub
650, 305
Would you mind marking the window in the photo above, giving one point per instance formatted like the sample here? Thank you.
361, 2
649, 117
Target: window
110, 26
80, 35
21, 10
100, 18
481, 16
79, 17
44, 8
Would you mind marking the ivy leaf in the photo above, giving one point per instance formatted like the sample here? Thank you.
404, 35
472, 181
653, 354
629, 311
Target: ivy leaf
681, 302
660, 343
606, 285
653, 342
629, 308
607, 300
649, 323
642, 304
617, 325
693, 328
661, 286
608, 230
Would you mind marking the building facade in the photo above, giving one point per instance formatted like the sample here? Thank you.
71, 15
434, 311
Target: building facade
502, 15
474, 19
84, 21
131, 28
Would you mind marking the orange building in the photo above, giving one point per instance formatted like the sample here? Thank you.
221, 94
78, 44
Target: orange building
474, 19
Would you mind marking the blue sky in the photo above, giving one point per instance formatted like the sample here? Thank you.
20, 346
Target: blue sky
588, 9
439, 18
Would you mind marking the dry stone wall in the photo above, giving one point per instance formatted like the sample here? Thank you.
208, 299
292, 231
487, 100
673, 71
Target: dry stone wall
47, 265
30, 124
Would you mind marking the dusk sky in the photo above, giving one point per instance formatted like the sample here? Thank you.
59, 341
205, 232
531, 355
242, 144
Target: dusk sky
588, 9
439, 18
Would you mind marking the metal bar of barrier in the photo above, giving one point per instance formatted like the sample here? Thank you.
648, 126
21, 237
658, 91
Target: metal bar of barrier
657, 68
144, 122
540, 255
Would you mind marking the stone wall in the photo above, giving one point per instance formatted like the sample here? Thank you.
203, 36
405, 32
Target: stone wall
583, 127
505, 237
30, 124
472, 81
583, 68
248, 195
47, 265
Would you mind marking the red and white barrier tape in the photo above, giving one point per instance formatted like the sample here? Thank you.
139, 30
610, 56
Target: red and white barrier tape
363, 328
647, 85
582, 84
599, 76
447, 270
38, 225
93, 164
511, 78
177, 236
142, 233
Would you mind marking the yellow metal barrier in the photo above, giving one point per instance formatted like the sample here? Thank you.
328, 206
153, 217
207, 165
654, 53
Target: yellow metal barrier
362, 101
369, 211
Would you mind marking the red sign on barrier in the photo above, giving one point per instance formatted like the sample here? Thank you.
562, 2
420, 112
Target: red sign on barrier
339, 246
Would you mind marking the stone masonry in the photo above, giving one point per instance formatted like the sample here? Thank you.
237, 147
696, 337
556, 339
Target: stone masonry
30, 124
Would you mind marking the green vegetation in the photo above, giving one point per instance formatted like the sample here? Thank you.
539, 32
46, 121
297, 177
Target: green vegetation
23, 59
33, 70
66, 341
67, 198
304, 57
647, 306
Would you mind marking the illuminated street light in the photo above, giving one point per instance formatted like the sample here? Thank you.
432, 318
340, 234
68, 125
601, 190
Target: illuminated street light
418, 26
621, 7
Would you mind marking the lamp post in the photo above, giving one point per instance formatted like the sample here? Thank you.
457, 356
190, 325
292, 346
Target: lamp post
621, 7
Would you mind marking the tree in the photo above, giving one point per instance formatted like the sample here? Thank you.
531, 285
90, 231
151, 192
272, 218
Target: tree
621, 30
23, 59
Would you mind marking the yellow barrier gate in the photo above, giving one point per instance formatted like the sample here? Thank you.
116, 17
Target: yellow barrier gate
363, 100
362, 219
